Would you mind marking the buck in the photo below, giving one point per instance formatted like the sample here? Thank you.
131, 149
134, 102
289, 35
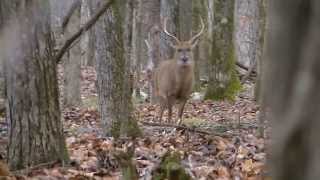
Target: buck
173, 78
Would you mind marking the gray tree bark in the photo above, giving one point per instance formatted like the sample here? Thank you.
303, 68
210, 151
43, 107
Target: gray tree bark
185, 15
148, 24
33, 114
168, 9
291, 88
262, 6
72, 64
246, 31
198, 11
113, 74
88, 39
223, 80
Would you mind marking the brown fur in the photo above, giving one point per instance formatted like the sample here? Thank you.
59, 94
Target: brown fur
174, 82
174, 78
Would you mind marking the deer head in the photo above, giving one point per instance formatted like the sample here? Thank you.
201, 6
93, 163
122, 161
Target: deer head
183, 49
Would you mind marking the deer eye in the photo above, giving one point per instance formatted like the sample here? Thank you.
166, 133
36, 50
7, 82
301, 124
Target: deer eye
179, 50
188, 49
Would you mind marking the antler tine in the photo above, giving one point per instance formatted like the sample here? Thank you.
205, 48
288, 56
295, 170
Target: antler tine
201, 31
166, 31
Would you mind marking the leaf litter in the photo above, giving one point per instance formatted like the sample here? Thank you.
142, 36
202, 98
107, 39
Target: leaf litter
242, 155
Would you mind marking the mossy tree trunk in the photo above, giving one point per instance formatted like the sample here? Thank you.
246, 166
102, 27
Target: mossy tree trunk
223, 80
33, 114
113, 74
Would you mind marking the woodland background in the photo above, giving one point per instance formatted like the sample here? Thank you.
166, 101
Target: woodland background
76, 100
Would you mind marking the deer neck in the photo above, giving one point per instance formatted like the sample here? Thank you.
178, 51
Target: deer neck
183, 73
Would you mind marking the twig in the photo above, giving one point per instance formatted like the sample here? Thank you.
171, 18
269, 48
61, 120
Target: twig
83, 29
184, 128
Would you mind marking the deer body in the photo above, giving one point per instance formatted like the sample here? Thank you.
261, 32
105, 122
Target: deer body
173, 83
173, 79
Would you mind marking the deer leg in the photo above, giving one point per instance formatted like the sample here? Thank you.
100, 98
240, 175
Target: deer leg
170, 104
181, 108
162, 108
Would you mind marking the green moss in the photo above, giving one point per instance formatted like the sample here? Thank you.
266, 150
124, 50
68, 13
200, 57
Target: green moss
115, 129
222, 56
128, 167
170, 168
194, 122
131, 128
231, 88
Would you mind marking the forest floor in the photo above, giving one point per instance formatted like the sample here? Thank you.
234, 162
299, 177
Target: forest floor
221, 141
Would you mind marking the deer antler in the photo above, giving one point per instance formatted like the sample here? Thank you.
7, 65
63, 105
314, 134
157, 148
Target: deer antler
198, 35
166, 31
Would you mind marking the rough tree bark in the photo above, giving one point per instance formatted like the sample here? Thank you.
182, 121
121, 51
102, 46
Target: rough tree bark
72, 64
223, 80
33, 113
113, 74
291, 88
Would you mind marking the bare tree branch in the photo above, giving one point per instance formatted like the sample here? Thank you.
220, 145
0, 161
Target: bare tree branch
75, 5
83, 29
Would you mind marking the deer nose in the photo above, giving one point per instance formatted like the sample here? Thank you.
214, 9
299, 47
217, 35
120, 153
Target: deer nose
184, 59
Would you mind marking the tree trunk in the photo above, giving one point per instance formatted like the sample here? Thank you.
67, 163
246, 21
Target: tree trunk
72, 65
3, 22
197, 13
136, 62
168, 9
149, 29
261, 46
223, 80
88, 39
185, 14
291, 88
35, 128
113, 75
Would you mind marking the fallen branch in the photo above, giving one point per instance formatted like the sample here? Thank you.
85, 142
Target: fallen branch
245, 68
83, 29
185, 128
38, 166
250, 71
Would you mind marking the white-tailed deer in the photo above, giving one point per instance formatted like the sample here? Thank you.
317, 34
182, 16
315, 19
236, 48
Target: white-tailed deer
174, 77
